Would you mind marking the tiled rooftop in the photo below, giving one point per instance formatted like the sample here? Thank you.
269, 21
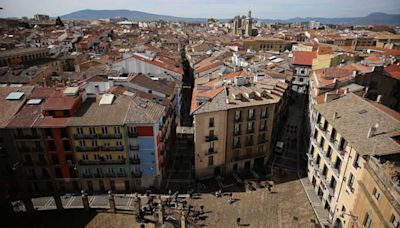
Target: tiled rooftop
355, 116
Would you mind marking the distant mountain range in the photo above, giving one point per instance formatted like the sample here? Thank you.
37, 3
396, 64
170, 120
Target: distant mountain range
87, 14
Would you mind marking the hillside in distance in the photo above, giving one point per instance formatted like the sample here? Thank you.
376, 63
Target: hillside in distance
88, 14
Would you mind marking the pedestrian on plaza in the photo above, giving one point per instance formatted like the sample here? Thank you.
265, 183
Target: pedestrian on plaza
170, 192
269, 188
230, 200
238, 221
202, 209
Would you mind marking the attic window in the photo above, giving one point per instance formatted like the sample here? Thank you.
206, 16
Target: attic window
15, 96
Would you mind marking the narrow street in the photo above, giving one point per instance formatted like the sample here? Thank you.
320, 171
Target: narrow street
293, 150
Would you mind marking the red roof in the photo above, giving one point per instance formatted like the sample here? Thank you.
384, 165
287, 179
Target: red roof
304, 57
393, 70
59, 102
160, 62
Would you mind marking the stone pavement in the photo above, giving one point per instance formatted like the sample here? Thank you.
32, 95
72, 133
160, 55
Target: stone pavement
286, 207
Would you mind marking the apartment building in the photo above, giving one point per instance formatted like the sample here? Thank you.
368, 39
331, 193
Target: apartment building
234, 125
378, 198
100, 144
21, 55
346, 132
11, 181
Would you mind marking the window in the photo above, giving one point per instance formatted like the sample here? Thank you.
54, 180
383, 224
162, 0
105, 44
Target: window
333, 183
82, 143
236, 141
119, 143
264, 112
116, 130
85, 157
210, 160
104, 130
395, 222
64, 133
58, 173
49, 133
108, 157
263, 125
211, 122
237, 129
329, 152
367, 221
94, 142
67, 146
261, 149
377, 194
96, 157
52, 145
250, 127
261, 138
351, 182
324, 170
338, 164
238, 115
66, 113
92, 130
249, 140
79, 130
52, 113
54, 158
252, 114
357, 161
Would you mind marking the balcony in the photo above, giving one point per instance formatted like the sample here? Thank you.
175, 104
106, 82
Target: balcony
134, 161
132, 134
121, 175
137, 174
102, 162
109, 136
310, 157
112, 148
86, 175
260, 141
134, 147
210, 138
211, 151
249, 143
250, 131
81, 136
27, 137
87, 148
327, 185
237, 132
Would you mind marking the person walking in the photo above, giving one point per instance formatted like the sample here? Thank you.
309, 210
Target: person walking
238, 221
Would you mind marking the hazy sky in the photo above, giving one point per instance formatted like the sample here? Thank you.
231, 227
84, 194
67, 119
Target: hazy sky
273, 9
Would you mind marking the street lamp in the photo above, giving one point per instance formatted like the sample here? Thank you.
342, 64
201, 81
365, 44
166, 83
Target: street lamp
354, 219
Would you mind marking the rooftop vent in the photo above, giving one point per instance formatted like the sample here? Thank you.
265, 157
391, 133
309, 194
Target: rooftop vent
15, 96
34, 101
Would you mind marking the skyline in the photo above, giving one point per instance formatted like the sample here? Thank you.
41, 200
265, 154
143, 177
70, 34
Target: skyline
272, 9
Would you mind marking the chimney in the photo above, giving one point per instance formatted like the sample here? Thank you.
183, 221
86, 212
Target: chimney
346, 91
378, 99
365, 92
372, 130
335, 114
354, 73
